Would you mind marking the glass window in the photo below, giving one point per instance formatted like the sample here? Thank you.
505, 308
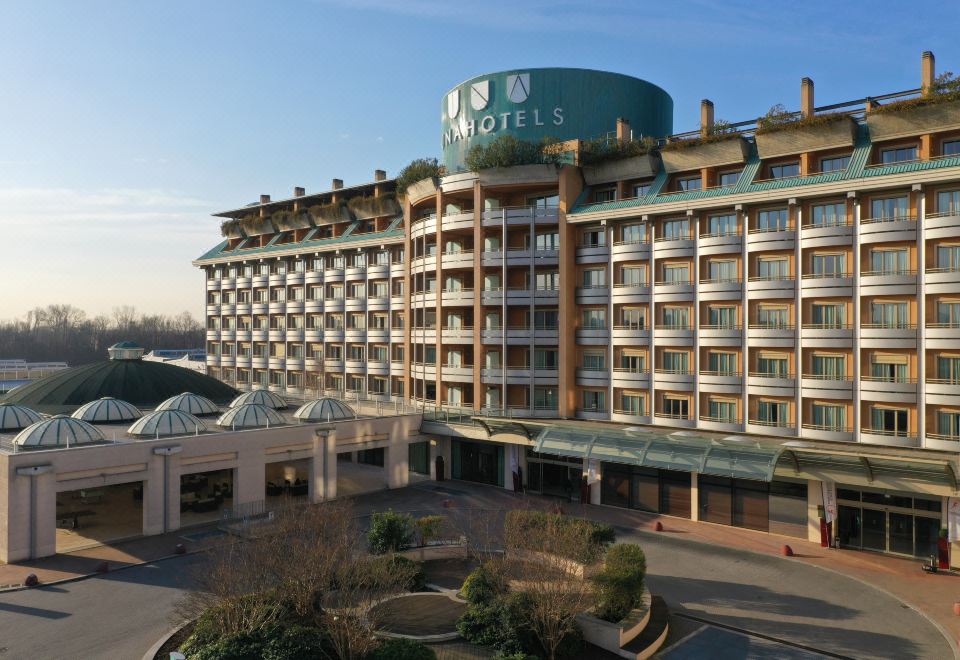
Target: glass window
774, 413
948, 257
773, 364
829, 215
546, 358
545, 398
889, 262
889, 420
547, 281
594, 278
834, 164
676, 273
777, 268
636, 233
594, 361
722, 270
545, 319
898, 155
594, 400
829, 315
676, 362
721, 225
675, 407
676, 317
674, 230
641, 190
784, 170
593, 238
607, 195
772, 220
889, 314
890, 208
692, 183
951, 148
595, 319
722, 410
548, 241
948, 368
722, 363
632, 276
722, 317
634, 362
729, 178
830, 367
948, 423
948, 313
773, 317
889, 368
544, 201
829, 265
632, 404
830, 416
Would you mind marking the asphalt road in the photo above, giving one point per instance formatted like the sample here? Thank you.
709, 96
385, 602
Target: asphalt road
120, 615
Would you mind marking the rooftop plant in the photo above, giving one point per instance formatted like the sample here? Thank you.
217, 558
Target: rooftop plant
371, 207
231, 226
720, 131
602, 150
417, 170
945, 88
508, 151
779, 119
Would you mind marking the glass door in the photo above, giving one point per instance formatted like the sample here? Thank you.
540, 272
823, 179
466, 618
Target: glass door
901, 533
874, 530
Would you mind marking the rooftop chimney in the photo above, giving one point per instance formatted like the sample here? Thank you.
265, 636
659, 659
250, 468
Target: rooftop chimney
337, 184
806, 97
299, 192
264, 199
706, 117
928, 72
379, 175
623, 130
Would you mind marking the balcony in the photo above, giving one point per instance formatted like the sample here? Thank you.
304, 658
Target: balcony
593, 413
593, 336
295, 277
592, 377
277, 306
631, 292
726, 424
277, 334
827, 335
462, 259
721, 243
942, 391
942, 335
457, 297
721, 382
673, 379
767, 239
277, 279
889, 389
674, 334
313, 277
631, 334
888, 335
721, 289
888, 283
771, 335
630, 250
630, 417
674, 290
678, 245
831, 433
777, 428
519, 295
596, 294
840, 233
333, 275
631, 378
826, 386
772, 384
943, 224
772, 287
721, 335
457, 374
259, 281
942, 280
462, 220
675, 420
893, 228
824, 285
901, 438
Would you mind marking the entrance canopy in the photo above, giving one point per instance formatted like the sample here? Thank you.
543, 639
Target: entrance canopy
739, 457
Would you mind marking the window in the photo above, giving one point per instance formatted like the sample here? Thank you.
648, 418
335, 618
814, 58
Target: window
773, 220
634, 318
890, 208
594, 361
722, 270
593, 238
898, 155
784, 170
594, 401
636, 233
728, 179
548, 241
594, 278
722, 316
723, 410
491, 282
889, 262
773, 268
948, 313
544, 201
773, 413
676, 362
889, 314
641, 190
633, 275
951, 148
829, 315
948, 257
721, 225
454, 358
676, 230
829, 367
676, 273
773, 317
889, 368
634, 362
546, 358
829, 416
595, 319
676, 317
892, 421
545, 398
830, 265
722, 363
689, 184
828, 215
632, 403
452, 283
545, 319
606, 195
547, 281
834, 164
774, 365
948, 368
677, 407
948, 423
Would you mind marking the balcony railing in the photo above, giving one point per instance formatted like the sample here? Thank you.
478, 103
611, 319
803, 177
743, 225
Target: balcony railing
943, 269
685, 282
952, 380
824, 276
780, 424
633, 413
771, 374
827, 326
834, 428
642, 241
721, 233
891, 433
889, 325
666, 415
682, 236
631, 370
722, 280
944, 436
675, 372
941, 325
772, 326
768, 230
721, 326
889, 379
629, 326
834, 377
722, 420
674, 326
772, 278
895, 271
888, 218
837, 222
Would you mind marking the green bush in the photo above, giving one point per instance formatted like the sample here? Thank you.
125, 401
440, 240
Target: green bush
430, 528
508, 151
620, 583
482, 586
573, 538
240, 646
390, 532
403, 649
399, 565
417, 170
297, 642
602, 150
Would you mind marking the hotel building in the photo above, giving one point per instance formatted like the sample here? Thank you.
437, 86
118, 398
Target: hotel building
754, 324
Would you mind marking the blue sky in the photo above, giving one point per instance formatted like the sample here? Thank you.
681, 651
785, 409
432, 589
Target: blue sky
125, 124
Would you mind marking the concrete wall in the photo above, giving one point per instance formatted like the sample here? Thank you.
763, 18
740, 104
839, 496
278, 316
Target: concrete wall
245, 452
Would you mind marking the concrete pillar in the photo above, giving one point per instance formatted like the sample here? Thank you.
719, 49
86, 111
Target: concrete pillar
814, 502
706, 117
806, 97
510, 461
928, 72
396, 464
623, 130
250, 484
694, 497
153, 496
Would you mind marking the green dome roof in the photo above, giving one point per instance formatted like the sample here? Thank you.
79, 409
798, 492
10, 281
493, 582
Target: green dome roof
142, 383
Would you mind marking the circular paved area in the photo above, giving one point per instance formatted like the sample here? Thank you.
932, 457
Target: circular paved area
419, 615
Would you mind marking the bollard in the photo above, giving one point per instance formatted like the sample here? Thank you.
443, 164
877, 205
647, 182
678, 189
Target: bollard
31, 580
786, 551
179, 549
658, 526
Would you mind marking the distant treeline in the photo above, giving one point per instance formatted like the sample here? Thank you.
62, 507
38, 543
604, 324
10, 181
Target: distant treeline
65, 333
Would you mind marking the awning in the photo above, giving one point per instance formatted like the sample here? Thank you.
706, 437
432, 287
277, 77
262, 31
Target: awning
886, 471
739, 457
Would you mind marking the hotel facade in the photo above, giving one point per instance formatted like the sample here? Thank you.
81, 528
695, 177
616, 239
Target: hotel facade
753, 324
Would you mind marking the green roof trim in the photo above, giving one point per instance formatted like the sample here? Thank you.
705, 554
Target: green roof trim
308, 243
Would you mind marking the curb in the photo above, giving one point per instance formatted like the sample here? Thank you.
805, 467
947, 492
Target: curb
153, 650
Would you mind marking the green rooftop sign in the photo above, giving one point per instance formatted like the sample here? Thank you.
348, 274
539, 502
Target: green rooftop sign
532, 104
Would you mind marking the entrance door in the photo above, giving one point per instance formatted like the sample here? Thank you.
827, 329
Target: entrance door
848, 526
874, 529
901, 533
